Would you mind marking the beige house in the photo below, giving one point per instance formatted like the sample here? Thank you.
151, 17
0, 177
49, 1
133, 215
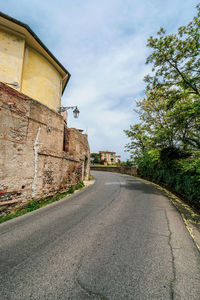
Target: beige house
107, 157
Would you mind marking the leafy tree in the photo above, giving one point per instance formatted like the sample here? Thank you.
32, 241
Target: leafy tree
138, 137
170, 112
95, 158
128, 163
176, 60
185, 116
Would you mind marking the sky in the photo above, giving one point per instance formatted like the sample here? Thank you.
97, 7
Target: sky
103, 46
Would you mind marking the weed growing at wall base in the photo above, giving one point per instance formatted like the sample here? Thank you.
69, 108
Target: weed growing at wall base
33, 205
91, 177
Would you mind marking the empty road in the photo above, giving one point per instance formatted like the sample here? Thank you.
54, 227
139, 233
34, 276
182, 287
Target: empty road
119, 239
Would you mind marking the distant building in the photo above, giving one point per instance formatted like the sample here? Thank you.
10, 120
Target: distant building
107, 157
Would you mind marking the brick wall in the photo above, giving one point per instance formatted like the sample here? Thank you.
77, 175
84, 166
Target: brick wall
33, 163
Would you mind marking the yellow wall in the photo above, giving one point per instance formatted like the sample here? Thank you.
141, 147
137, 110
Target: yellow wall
40, 79
11, 56
36, 76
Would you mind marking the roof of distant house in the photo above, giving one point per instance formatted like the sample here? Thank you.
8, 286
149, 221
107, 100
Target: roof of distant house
107, 152
33, 40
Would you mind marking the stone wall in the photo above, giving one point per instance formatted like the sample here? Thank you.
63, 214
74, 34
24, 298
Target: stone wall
122, 169
39, 155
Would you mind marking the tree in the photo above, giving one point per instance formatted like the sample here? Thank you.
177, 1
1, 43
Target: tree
95, 158
176, 60
170, 112
139, 140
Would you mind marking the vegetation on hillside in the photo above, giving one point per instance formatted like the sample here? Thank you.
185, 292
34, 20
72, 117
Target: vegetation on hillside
166, 142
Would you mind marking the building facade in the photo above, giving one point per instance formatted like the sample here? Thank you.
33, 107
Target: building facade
39, 154
107, 157
28, 66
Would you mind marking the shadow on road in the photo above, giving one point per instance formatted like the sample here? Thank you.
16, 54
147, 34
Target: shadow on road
146, 188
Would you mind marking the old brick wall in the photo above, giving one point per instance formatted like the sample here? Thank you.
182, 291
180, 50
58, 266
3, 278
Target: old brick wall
32, 161
78, 147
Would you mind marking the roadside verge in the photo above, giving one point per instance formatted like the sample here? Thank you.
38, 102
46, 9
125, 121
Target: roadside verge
34, 205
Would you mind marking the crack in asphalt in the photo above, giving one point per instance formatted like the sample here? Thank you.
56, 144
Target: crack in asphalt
172, 282
87, 291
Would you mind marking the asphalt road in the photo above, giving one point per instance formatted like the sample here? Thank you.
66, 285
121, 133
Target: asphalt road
119, 239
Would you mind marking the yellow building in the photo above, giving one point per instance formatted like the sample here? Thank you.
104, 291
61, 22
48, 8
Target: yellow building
28, 66
107, 157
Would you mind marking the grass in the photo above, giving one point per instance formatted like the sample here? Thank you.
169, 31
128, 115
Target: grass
33, 205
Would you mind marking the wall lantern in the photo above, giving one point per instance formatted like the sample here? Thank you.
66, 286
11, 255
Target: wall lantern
76, 111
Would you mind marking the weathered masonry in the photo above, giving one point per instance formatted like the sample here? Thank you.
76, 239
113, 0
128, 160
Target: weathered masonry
39, 154
35, 159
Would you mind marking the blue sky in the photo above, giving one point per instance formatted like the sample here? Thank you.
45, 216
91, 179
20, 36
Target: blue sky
103, 45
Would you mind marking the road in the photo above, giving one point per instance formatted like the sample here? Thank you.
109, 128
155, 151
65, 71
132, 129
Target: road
118, 239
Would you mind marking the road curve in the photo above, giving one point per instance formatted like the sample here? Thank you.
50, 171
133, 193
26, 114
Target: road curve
119, 239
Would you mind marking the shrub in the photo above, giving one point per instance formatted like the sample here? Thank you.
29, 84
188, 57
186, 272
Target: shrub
32, 205
80, 185
71, 190
182, 175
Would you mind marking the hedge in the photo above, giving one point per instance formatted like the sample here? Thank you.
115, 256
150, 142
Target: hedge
182, 176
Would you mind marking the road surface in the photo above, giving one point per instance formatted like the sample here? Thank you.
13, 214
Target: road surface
119, 239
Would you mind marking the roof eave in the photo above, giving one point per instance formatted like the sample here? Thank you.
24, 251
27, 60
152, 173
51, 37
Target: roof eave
41, 44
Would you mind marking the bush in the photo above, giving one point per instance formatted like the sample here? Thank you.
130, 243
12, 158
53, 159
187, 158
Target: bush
80, 185
182, 175
171, 153
71, 190
32, 205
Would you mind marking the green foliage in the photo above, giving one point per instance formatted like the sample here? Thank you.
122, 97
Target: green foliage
79, 186
170, 112
32, 205
169, 154
127, 163
71, 190
95, 158
166, 142
91, 177
182, 175
175, 59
